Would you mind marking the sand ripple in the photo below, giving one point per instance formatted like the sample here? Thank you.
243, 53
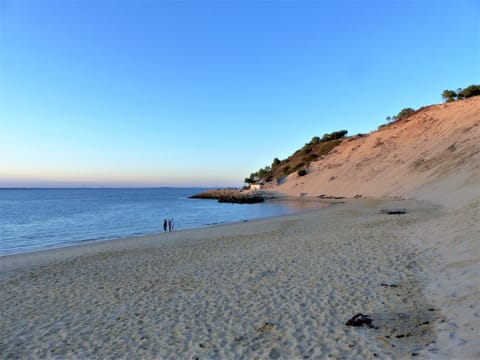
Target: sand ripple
279, 288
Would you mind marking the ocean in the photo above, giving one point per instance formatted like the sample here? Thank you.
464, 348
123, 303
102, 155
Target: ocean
35, 219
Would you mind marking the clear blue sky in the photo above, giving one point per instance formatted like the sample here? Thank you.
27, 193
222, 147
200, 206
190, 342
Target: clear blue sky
152, 93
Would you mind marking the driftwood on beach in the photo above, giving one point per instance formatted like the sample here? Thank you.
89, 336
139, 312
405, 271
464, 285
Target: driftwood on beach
230, 196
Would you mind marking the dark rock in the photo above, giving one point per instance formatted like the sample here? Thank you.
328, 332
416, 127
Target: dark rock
393, 211
322, 196
360, 320
388, 285
230, 196
244, 199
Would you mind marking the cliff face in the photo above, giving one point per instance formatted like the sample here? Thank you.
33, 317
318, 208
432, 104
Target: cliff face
440, 143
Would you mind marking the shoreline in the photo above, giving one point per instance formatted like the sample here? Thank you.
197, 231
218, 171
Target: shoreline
44, 257
250, 279
337, 261
323, 203
291, 202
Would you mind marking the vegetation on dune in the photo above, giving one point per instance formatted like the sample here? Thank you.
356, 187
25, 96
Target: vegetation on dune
318, 147
447, 96
403, 114
300, 160
460, 94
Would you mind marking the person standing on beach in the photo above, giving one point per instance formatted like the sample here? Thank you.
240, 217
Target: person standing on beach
172, 223
169, 224
165, 225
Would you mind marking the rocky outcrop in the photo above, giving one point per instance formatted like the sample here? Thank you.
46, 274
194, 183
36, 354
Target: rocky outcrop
231, 196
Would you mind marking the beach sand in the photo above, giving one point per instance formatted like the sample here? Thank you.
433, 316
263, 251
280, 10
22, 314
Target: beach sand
275, 288
283, 287
434, 156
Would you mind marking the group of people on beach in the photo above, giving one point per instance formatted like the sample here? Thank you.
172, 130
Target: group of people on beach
168, 224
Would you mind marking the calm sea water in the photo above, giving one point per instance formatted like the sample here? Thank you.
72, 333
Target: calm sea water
33, 219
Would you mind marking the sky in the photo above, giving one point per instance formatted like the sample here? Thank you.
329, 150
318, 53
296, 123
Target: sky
203, 93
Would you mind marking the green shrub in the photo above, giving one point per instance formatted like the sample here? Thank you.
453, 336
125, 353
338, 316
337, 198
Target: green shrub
334, 135
299, 166
326, 147
449, 95
469, 91
276, 162
299, 160
472, 90
311, 157
405, 113
302, 172
306, 150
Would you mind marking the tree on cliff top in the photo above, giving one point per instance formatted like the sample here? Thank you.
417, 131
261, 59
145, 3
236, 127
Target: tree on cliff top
449, 95
469, 91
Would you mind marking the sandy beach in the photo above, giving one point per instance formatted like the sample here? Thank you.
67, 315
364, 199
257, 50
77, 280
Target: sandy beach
239, 180
276, 288
283, 288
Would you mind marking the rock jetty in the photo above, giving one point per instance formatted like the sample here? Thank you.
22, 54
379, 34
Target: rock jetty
231, 196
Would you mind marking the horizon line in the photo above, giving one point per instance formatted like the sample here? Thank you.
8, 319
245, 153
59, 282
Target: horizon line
109, 187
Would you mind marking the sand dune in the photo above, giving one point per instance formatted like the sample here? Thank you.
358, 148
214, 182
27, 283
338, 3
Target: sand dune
438, 143
435, 156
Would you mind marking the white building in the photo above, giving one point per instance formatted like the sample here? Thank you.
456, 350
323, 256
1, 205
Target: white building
256, 186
